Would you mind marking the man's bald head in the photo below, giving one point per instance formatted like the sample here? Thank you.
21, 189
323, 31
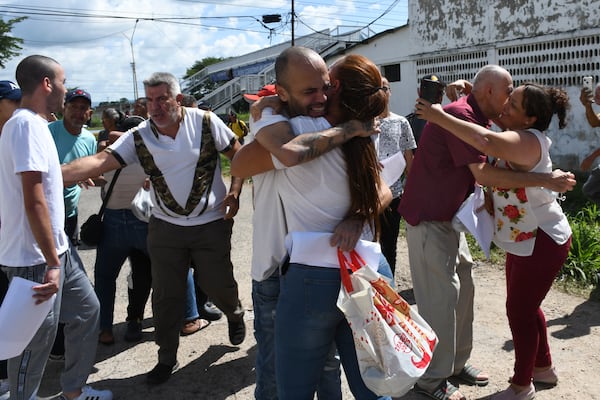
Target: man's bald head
302, 81
296, 57
491, 87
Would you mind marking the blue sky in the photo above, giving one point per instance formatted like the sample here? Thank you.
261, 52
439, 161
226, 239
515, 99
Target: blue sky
92, 40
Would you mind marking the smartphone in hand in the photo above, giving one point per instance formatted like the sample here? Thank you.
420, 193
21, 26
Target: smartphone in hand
588, 83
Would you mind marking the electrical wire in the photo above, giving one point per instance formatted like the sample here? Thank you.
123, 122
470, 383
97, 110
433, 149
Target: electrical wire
58, 14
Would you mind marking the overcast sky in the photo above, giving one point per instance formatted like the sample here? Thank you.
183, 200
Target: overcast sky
92, 40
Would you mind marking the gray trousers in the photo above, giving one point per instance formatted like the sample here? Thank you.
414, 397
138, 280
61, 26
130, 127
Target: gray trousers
441, 269
172, 248
78, 308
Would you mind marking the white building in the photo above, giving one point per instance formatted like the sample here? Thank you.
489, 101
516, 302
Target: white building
552, 42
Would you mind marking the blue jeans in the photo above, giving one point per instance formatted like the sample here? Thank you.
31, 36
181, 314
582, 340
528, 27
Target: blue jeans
264, 299
123, 235
191, 306
385, 269
308, 323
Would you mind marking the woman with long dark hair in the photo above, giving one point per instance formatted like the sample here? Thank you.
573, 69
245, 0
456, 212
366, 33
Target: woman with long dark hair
316, 197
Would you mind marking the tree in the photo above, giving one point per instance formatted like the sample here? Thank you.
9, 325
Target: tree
200, 65
9, 45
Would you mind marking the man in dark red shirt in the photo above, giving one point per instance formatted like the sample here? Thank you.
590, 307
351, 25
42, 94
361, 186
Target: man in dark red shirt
443, 174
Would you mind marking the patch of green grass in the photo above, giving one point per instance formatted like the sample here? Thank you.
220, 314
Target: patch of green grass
497, 255
583, 262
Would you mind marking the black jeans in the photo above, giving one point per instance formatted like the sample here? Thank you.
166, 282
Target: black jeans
3, 289
72, 230
390, 227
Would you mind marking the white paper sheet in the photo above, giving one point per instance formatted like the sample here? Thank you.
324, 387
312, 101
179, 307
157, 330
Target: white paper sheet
313, 248
479, 223
393, 167
20, 317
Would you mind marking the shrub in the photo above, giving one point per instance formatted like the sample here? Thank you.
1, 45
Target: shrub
583, 262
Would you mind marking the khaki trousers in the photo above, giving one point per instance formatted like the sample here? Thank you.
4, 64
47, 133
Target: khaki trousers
441, 268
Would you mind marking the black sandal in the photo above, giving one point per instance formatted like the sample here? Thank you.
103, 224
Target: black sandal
444, 391
470, 375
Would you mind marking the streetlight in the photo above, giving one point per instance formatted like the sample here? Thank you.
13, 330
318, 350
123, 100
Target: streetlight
135, 87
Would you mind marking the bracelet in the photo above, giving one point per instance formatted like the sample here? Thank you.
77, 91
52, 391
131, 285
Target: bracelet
56, 267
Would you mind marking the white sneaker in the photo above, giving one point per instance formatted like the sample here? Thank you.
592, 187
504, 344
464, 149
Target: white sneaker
4, 389
89, 393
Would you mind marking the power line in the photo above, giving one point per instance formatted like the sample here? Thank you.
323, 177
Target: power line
57, 13
160, 30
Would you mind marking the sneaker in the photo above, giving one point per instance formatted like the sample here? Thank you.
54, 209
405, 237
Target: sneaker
160, 373
134, 330
548, 377
237, 332
89, 393
210, 312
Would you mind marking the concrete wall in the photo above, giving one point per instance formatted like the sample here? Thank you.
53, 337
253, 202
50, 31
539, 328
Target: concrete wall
552, 42
443, 24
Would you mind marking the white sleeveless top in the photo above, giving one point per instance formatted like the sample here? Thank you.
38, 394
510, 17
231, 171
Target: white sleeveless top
519, 213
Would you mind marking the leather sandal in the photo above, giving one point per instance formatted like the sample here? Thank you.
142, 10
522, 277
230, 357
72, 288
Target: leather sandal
106, 337
196, 325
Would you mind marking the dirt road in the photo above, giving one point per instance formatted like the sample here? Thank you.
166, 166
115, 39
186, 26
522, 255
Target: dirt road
213, 369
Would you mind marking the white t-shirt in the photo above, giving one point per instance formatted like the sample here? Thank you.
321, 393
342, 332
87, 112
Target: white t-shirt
177, 159
129, 181
303, 211
268, 220
26, 145
315, 194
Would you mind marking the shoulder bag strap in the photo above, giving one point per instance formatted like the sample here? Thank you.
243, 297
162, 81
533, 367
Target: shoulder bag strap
109, 192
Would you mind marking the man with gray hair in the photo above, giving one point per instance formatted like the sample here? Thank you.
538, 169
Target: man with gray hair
440, 262
192, 219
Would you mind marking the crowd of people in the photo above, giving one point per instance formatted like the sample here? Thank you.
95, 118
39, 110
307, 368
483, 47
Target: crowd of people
314, 148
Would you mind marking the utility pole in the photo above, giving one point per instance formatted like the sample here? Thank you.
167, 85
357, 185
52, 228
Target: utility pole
293, 22
135, 86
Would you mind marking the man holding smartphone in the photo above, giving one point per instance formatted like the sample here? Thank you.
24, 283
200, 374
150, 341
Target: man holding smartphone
591, 187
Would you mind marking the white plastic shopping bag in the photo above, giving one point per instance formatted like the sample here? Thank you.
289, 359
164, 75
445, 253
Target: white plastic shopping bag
141, 205
394, 344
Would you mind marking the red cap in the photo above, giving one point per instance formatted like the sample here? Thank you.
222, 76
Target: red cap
267, 90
